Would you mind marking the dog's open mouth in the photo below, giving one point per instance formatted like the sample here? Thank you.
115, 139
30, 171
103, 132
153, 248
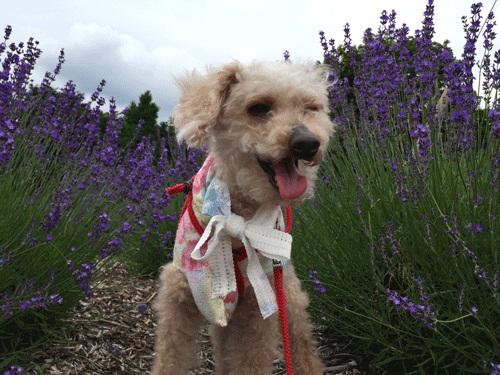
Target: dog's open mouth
285, 177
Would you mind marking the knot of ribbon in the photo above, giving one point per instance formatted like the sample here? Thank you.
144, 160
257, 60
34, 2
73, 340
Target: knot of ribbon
257, 233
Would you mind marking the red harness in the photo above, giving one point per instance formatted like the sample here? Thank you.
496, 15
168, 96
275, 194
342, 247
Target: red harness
241, 254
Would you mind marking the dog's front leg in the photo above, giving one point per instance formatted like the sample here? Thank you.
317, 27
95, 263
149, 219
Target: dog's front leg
220, 340
248, 345
179, 322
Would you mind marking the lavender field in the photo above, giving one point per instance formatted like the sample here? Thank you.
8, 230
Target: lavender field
70, 198
407, 256
400, 249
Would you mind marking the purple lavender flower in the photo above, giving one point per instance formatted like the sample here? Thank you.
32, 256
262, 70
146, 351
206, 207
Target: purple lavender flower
83, 277
454, 225
8, 31
478, 202
495, 177
5, 257
30, 297
113, 349
403, 193
143, 309
388, 248
287, 56
318, 285
423, 313
325, 179
493, 281
14, 370
359, 207
7, 305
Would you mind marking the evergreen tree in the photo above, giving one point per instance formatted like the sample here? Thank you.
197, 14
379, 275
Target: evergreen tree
146, 110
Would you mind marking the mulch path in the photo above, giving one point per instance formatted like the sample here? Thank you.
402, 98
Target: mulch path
109, 335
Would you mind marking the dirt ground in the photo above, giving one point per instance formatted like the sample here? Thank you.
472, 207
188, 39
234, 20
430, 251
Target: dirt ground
110, 335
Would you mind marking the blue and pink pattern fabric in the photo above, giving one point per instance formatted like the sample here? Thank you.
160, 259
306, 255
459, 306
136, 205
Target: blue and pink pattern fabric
211, 200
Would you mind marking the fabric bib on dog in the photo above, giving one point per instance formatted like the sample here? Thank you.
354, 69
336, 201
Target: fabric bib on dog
208, 265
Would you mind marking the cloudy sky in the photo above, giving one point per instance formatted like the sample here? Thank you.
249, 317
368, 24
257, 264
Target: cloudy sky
141, 45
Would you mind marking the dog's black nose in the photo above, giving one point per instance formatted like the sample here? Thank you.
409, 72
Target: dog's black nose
303, 143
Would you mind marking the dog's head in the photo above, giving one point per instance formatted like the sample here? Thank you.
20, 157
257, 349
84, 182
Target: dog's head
265, 123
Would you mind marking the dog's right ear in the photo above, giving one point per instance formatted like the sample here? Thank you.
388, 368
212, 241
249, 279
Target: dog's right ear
201, 101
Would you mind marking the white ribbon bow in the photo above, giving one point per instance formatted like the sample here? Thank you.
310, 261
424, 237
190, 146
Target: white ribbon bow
257, 233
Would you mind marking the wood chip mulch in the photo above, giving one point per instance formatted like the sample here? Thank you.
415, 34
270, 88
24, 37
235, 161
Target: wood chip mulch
108, 334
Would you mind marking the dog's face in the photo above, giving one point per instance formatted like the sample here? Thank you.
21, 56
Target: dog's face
265, 123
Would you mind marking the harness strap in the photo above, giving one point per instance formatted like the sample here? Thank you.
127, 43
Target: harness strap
239, 255
281, 299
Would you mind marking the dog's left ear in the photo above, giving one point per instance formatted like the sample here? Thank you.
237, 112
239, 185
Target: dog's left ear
201, 101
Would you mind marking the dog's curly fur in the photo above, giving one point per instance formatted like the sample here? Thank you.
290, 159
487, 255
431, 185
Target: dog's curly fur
246, 115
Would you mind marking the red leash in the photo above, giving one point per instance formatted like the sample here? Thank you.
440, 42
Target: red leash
239, 255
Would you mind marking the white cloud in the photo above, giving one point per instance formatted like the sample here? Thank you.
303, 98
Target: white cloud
103, 42
98, 52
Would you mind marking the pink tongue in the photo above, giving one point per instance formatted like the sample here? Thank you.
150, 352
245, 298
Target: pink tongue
290, 183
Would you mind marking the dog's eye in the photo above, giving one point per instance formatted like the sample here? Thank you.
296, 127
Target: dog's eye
313, 108
259, 109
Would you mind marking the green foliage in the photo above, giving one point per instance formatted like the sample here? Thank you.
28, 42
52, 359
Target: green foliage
147, 111
346, 237
38, 184
149, 250
405, 239
402, 242
145, 257
70, 200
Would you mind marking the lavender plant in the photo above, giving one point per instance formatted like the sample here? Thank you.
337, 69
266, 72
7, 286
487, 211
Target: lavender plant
70, 198
408, 246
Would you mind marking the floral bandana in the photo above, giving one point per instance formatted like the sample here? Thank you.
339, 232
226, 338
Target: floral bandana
208, 265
